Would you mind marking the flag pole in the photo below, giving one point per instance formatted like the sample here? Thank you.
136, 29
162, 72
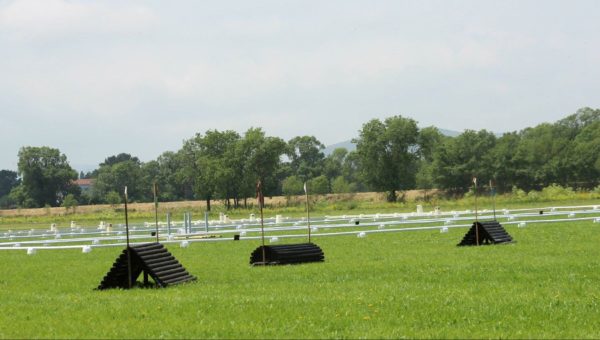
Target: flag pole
156, 209
476, 217
493, 197
261, 199
307, 211
128, 249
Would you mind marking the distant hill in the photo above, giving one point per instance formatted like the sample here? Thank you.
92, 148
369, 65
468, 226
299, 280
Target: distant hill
348, 145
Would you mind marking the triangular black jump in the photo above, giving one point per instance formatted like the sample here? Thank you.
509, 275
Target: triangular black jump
287, 254
154, 260
490, 232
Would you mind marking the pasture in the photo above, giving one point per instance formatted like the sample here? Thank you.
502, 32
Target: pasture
414, 284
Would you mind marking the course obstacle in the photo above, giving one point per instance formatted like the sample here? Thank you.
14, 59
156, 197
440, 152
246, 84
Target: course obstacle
153, 260
490, 232
287, 254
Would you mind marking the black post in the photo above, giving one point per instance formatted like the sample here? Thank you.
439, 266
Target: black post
260, 198
476, 217
128, 249
307, 210
493, 190
156, 209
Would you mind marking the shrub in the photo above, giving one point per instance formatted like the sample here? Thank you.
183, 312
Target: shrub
70, 202
533, 196
557, 192
340, 185
596, 192
318, 185
518, 194
292, 186
113, 198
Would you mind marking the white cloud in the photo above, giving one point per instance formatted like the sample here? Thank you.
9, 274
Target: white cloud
47, 19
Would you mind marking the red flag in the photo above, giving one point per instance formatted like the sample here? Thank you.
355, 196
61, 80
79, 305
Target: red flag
259, 194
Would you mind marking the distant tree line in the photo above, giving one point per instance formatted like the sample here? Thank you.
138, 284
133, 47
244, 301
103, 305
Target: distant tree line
391, 156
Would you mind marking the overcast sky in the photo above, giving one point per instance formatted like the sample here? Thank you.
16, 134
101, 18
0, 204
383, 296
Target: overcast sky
96, 78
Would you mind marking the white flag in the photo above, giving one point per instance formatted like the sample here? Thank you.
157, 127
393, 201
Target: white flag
475, 181
305, 191
125, 190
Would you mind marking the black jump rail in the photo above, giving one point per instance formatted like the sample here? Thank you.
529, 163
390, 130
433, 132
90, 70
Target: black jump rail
287, 254
152, 259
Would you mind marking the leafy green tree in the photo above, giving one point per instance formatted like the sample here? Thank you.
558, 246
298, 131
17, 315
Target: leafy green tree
113, 198
292, 185
306, 156
8, 180
115, 176
334, 164
206, 162
46, 176
540, 156
170, 188
19, 197
460, 159
429, 140
70, 202
261, 157
340, 186
351, 172
506, 169
388, 154
318, 185
584, 158
120, 158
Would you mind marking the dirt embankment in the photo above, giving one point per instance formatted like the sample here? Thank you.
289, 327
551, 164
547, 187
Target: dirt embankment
270, 201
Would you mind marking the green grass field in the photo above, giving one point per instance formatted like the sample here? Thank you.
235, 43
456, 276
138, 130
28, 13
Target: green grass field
410, 284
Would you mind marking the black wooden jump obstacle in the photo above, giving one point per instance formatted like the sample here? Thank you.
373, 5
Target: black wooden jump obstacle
490, 232
154, 260
287, 254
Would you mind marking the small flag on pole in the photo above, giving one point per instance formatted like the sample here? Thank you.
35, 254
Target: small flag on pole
305, 191
475, 181
125, 190
259, 194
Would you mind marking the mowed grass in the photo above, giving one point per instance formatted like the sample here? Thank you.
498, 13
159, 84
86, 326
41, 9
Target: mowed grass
409, 284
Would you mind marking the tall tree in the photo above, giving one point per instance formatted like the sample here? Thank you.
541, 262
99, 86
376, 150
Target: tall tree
122, 157
584, 157
388, 154
8, 180
206, 162
114, 175
430, 139
334, 165
46, 176
262, 160
306, 156
351, 173
170, 187
460, 159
